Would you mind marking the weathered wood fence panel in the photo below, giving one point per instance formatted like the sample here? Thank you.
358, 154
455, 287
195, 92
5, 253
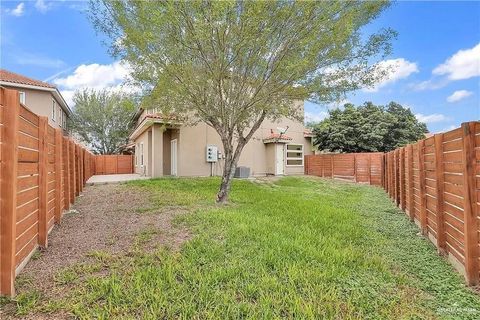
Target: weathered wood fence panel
436, 181
444, 193
40, 174
358, 167
113, 164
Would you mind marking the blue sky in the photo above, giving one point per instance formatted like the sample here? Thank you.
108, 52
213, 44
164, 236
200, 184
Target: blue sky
436, 55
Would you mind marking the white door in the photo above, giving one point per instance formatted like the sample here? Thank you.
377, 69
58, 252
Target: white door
173, 157
279, 159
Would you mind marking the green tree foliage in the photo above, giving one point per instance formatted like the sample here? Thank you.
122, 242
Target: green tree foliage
368, 128
233, 64
102, 119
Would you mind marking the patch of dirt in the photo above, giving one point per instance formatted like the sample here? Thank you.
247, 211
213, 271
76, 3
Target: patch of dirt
106, 218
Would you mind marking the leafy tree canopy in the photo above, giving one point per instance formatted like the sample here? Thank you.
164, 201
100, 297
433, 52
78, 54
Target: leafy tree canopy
368, 128
102, 119
233, 64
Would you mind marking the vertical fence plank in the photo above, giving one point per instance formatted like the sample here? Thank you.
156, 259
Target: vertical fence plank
42, 181
411, 203
439, 177
469, 205
67, 174
58, 174
423, 199
8, 195
73, 185
402, 179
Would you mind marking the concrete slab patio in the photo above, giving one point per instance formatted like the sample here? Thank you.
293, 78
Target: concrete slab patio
114, 178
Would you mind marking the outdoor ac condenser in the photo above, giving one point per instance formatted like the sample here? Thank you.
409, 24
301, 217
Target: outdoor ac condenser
242, 172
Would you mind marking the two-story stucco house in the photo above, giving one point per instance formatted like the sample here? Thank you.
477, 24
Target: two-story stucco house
40, 97
165, 146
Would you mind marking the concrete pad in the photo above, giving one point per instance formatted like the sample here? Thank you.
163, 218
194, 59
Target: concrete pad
114, 178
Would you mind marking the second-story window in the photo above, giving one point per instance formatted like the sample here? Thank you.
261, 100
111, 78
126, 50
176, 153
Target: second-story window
54, 109
22, 97
64, 120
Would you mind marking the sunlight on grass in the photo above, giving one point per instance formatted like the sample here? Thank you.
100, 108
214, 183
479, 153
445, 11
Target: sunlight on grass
294, 248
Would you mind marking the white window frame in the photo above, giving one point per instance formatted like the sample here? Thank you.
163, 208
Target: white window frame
54, 110
302, 151
137, 152
64, 119
22, 97
141, 154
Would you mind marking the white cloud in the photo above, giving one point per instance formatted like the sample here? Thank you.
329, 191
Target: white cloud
42, 6
431, 118
95, 76
315, 117
462, 65
459, 95
18, 11
396, 69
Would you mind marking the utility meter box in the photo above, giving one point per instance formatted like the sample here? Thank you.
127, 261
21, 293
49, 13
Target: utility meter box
212, 153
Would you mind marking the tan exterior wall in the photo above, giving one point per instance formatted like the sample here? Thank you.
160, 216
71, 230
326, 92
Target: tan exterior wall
41, 102
142, 169
193, 140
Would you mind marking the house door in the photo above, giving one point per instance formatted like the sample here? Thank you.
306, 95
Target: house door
279, 159
173, 157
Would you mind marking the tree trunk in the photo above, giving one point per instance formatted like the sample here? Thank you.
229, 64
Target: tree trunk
231, 160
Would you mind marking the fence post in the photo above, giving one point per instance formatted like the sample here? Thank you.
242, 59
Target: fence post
402, 179
73, 185
469, 205
354, 167
421, 174
439, 177
66, 177
9, 169
58, 174
369, 165
331, 164
42, 181
411, 203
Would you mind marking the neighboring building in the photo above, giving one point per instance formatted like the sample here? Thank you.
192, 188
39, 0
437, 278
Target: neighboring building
164, 146
40, 97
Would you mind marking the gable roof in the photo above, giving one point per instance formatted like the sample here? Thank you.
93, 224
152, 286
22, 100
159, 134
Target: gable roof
12, 77
8, 78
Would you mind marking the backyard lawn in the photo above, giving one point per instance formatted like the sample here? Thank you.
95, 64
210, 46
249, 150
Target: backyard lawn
302, 248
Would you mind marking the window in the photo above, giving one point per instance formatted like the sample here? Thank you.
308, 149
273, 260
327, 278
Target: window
22, 97
54, 109
141, 153
64, 120
294, 154
137, 151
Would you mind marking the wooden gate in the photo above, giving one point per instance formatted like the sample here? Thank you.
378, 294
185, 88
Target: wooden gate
113, 164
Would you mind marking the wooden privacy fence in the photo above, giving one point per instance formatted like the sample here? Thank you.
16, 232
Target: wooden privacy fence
358, 167
41, 173
436, 181
113, 164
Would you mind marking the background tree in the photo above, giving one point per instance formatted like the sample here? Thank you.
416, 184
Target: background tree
368, 128
102, 119
233, 64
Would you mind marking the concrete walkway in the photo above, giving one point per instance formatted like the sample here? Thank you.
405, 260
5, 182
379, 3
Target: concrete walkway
114, 178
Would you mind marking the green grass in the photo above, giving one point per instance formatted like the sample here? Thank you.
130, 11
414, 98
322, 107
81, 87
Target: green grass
297, 248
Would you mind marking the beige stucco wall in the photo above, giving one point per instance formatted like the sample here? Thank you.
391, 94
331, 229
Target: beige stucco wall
139, 168
193, 140
40, 102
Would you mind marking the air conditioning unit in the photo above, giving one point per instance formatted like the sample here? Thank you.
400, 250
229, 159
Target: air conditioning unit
242, 172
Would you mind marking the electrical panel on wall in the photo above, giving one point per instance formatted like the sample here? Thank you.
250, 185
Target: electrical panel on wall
212, 153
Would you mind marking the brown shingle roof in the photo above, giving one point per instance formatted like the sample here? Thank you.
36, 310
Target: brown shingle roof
8, 76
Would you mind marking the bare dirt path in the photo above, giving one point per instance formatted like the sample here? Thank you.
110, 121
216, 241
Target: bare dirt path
105, 218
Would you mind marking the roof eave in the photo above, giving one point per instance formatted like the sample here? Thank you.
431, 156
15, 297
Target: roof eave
54, 91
